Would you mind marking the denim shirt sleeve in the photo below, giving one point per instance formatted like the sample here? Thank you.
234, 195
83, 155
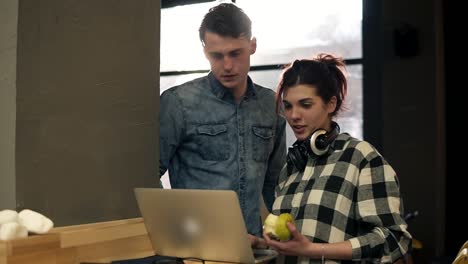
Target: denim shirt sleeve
171, 128
275, 164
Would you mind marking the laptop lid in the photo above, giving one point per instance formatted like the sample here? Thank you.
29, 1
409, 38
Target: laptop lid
202, 224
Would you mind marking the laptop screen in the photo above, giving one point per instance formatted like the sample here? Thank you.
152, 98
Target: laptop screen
201, 224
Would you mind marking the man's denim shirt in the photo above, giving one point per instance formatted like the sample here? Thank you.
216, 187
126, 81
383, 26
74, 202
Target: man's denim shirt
207, 141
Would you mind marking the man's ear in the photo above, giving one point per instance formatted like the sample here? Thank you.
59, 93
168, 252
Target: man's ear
205, 52
253, 45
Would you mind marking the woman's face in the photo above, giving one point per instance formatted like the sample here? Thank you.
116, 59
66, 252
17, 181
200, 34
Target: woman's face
305, 111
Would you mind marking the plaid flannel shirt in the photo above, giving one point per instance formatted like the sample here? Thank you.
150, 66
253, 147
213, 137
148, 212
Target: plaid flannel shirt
351, 194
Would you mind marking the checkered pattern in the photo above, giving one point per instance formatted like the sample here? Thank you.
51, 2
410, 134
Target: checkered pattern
351, 194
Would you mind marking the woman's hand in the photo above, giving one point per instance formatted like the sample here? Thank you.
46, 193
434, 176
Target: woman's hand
298, 245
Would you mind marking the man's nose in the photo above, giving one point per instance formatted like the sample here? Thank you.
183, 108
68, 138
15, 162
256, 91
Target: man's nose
227, 63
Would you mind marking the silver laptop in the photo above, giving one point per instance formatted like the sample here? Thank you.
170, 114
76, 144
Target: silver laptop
200, 224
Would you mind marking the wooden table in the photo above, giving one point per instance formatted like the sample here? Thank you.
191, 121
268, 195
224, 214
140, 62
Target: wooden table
99, 243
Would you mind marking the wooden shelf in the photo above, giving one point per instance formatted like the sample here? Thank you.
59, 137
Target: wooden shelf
97, 243
92, 243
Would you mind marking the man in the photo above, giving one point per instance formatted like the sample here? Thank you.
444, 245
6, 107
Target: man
221, 131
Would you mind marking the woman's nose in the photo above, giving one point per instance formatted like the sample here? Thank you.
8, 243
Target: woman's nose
295, 113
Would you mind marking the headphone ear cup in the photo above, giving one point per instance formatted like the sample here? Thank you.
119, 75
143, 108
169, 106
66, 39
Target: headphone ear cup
296, 158
318, 142
321, 139
318, 145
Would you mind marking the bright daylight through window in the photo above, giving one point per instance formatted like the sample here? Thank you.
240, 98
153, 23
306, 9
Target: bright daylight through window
285, 30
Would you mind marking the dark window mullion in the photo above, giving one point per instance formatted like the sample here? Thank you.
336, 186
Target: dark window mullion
253, 68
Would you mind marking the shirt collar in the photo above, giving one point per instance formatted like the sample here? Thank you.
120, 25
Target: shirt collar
340, 141
220, 91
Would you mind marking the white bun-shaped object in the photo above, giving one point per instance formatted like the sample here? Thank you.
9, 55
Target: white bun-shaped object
34, 221
7, 216
12, 230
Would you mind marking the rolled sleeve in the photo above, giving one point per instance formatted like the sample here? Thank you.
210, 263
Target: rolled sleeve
380, 210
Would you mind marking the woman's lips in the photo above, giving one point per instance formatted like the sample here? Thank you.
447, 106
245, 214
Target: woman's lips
299, 129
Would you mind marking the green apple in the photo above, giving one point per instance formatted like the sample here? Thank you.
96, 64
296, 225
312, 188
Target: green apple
275, 226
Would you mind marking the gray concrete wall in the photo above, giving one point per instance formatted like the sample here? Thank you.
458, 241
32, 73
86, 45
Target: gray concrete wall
87, 107
8, 28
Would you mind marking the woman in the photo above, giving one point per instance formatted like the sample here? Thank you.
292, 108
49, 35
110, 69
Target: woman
342, 194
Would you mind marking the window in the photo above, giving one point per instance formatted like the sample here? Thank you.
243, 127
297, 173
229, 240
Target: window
285, 30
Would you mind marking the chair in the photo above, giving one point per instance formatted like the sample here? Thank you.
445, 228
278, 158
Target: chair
465, 245
462, 256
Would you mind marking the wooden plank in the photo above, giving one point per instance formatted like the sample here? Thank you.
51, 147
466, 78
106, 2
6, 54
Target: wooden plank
101, 233
52, 256
3, 252
34, 243
41, 257
104, 252
99, 242
66, 256
82, 227
5, 249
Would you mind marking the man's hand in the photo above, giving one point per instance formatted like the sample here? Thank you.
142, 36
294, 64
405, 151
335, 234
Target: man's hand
256, 242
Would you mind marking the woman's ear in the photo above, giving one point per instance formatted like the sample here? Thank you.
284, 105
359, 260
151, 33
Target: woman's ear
253, 45
331, 105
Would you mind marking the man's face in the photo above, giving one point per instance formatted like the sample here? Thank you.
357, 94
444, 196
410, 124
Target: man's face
229, 59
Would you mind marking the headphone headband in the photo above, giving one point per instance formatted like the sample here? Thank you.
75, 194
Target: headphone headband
317, 145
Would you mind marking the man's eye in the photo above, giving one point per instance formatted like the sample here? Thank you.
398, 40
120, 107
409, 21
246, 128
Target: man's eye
235, 54
217, 56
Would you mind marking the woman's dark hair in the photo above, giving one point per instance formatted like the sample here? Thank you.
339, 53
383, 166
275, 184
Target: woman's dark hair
325, 72
226, 20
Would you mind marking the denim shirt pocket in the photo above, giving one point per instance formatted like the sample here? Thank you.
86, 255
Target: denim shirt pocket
213, 142
262, 142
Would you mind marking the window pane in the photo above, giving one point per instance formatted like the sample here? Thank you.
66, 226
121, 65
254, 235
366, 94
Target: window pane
166, 82
350, 120
285, 30
181, 48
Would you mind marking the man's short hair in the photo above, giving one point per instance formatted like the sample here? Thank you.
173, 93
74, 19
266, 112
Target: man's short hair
226, 20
